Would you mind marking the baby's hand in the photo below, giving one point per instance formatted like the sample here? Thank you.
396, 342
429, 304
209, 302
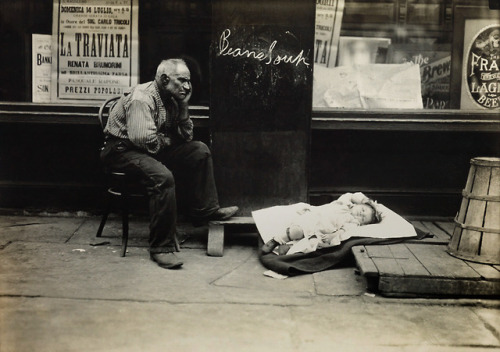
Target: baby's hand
323, 245
326, 237
359, 198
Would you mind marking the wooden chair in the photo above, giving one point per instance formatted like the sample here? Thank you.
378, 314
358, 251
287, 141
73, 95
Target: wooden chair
120, 186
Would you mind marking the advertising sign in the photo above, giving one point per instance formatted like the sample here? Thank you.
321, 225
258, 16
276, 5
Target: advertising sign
481, 71
435, 70
327, 31
95, 49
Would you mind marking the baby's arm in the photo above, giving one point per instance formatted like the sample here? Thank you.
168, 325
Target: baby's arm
334, 238
329, 237
350, 198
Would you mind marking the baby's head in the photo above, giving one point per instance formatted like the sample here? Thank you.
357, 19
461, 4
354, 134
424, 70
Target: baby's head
365, 213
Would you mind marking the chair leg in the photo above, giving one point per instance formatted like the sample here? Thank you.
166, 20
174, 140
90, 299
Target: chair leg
124, 225
104, 218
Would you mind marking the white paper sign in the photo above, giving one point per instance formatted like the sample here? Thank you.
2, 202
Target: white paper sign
95, 49
388, 86
41, 65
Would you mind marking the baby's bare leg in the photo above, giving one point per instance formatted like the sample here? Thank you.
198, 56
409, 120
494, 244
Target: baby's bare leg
295, 232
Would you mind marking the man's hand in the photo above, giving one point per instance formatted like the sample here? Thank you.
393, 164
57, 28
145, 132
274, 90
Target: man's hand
184, 101
166, 141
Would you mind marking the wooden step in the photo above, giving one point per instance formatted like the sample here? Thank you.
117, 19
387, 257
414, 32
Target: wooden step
416, 270
216, 233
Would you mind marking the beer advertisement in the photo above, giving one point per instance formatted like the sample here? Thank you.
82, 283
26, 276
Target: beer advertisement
481, 60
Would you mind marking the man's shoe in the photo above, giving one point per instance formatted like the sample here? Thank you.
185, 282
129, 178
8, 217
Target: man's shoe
167, 260
224, 213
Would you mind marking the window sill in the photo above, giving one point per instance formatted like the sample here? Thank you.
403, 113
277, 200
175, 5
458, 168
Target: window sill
53, 113
322, 119
406, 120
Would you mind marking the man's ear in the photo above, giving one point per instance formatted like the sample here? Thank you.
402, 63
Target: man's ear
165, 78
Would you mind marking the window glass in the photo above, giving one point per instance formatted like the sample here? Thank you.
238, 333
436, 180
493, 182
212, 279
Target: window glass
368, 53
173, 28
383, 54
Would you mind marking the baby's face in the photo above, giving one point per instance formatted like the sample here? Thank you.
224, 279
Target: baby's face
363, 213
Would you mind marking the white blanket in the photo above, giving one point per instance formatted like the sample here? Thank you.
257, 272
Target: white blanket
275, 220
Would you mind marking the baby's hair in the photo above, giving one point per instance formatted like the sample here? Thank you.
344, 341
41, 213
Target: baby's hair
377, 217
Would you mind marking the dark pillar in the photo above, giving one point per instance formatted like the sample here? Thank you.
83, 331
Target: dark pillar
261, 100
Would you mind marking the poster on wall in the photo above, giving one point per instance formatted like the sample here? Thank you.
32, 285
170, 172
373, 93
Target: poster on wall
481, 70
94, 49
327, 31
41, 65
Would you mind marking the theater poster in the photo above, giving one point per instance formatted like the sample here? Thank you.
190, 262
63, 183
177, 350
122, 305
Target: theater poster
327, 31
41, 67
481, 65
95, 48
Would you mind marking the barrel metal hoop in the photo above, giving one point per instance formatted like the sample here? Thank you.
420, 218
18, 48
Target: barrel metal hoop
469, 195
474, 228
486, 161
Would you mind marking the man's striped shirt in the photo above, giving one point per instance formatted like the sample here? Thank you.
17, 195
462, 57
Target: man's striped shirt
142, 117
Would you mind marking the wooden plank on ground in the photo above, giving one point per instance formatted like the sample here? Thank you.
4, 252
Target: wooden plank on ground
419, 225
413, 270
431, 240
446, 226
364, 262
395, 259
404, 286
400, 250
440, 264
388, 266
379, 251
411, 266
235, 220
437, 231
488, 272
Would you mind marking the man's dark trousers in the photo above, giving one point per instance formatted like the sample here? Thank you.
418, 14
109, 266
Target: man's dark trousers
184, 167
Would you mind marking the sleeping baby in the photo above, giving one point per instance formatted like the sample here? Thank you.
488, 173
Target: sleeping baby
322, 226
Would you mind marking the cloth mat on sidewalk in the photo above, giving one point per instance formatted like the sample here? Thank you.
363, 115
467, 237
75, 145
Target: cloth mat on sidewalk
326, 258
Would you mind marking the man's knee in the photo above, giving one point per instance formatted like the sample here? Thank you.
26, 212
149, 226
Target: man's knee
200, 150
164, 179
161, 183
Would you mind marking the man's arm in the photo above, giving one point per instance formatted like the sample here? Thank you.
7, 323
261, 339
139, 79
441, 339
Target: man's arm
184, 122
142, 129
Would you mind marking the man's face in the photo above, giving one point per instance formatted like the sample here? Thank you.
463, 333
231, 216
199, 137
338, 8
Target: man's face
179, 84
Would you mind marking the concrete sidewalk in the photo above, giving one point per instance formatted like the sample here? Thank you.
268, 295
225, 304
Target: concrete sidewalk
58, 292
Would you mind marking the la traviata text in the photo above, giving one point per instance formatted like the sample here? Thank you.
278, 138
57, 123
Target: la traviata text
94, 45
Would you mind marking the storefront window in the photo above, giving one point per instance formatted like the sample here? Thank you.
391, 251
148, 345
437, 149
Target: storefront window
174, 28
388, 54
394, 53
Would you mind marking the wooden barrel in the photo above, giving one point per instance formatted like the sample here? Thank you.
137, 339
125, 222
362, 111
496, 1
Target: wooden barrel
476, 236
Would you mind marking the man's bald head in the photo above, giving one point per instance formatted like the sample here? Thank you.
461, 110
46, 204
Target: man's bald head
170, 67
